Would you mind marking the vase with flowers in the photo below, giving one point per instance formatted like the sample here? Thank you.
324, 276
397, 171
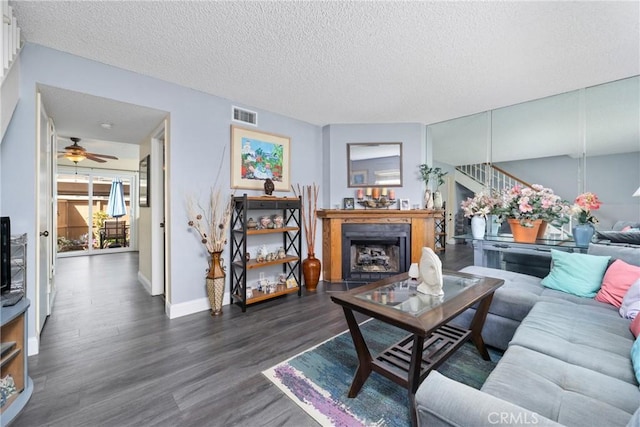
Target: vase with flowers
525, 208
478, 208
212, 223
584, 230
309, 201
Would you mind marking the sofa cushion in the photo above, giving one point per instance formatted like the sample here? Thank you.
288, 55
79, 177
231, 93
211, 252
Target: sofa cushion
631, 302
631, 236
592, 337
630, 255
635, 358
563, 392
515, 298
616, 282
634, 327
575, 273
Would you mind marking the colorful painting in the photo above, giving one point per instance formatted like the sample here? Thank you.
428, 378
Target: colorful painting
256, 156
261, 160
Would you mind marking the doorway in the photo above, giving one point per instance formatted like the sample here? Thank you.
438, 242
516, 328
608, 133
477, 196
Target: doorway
84, 226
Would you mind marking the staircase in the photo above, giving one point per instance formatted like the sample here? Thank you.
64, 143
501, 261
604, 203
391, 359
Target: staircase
483, 176
9, 65
480, 177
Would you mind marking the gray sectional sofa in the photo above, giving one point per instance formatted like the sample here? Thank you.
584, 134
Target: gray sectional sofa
567, 361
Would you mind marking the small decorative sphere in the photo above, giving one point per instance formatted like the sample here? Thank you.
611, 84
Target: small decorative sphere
191, 223
199, 217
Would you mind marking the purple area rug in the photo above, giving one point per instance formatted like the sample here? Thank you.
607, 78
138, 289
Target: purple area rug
318, 379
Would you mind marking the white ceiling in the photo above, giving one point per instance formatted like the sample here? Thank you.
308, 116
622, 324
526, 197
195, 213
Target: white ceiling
353, 62
80, 115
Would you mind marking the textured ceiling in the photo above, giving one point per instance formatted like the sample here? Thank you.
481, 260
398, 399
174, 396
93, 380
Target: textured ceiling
353, 62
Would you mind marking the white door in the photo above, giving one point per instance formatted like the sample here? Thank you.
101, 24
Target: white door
44, 214
158, 221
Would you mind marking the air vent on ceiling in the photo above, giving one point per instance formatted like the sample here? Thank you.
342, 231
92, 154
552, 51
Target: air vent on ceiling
245, 116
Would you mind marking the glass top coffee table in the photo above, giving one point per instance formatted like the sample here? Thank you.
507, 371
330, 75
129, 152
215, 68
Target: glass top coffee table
394, 300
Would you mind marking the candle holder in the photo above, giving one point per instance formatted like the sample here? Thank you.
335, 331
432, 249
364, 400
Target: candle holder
376, 203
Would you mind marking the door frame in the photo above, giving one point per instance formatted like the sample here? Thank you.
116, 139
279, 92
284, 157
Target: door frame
43, 242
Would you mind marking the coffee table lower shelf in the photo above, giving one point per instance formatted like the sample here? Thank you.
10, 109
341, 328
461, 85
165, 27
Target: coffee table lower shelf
395, 362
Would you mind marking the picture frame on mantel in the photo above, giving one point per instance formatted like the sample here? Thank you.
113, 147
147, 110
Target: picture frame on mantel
143, 182
256, 156
404, 204
348, 203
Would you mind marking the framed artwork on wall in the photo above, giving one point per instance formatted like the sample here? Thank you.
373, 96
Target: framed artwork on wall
143, 182
256, 156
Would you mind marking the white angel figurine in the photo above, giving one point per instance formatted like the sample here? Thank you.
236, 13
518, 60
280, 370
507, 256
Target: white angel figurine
430, 273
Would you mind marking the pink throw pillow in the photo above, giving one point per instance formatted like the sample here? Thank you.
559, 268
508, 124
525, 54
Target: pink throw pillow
635, 326
616, 282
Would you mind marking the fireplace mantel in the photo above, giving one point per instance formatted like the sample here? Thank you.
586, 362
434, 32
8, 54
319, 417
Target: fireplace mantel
422, 223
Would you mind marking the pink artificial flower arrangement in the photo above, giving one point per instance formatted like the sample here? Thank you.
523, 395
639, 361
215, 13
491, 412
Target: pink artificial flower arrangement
531, 203
584, 204
480, 205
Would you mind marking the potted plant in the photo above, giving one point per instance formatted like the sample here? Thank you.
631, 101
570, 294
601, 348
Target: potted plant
525, 208
426, 174
581, 209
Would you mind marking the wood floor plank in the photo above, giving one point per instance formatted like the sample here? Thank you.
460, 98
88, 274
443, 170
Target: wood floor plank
109, 356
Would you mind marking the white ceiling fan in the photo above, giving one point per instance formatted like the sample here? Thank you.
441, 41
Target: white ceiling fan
77, 153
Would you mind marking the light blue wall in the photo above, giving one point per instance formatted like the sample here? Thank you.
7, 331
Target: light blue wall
199, 134
412, 136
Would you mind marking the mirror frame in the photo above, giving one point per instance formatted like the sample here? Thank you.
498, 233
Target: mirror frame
351, 172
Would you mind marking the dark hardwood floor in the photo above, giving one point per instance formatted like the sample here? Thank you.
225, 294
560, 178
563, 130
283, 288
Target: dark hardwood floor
109, 356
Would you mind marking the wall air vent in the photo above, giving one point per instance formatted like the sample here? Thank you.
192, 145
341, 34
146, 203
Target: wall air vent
245, 116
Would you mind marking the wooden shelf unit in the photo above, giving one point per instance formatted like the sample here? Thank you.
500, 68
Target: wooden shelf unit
13, 360
291, 234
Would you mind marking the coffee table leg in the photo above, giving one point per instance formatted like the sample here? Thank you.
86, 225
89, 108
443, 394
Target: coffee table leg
414, 375
477, 323
364, 357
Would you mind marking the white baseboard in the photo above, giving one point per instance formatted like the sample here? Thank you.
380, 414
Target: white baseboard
33, 346
146, 283
194, 306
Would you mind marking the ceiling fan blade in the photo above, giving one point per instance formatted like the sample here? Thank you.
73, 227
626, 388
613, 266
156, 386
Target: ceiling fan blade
94, 158
105, 156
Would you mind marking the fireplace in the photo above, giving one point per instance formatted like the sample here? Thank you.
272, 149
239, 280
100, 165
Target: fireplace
373, 251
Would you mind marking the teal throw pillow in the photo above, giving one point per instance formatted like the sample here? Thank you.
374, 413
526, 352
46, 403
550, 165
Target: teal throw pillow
635, 358
577, 274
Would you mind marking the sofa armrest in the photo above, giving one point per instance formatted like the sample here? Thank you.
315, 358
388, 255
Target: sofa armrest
441, 401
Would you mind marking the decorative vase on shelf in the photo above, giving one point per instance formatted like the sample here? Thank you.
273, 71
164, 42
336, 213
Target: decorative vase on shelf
428, 199
542, 230
437, 200
478, 225
311, 272
582, 234
215, 283
493, 226
522, 233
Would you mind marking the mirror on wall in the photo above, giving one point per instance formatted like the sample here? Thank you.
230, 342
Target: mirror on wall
375, 164
583, 140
